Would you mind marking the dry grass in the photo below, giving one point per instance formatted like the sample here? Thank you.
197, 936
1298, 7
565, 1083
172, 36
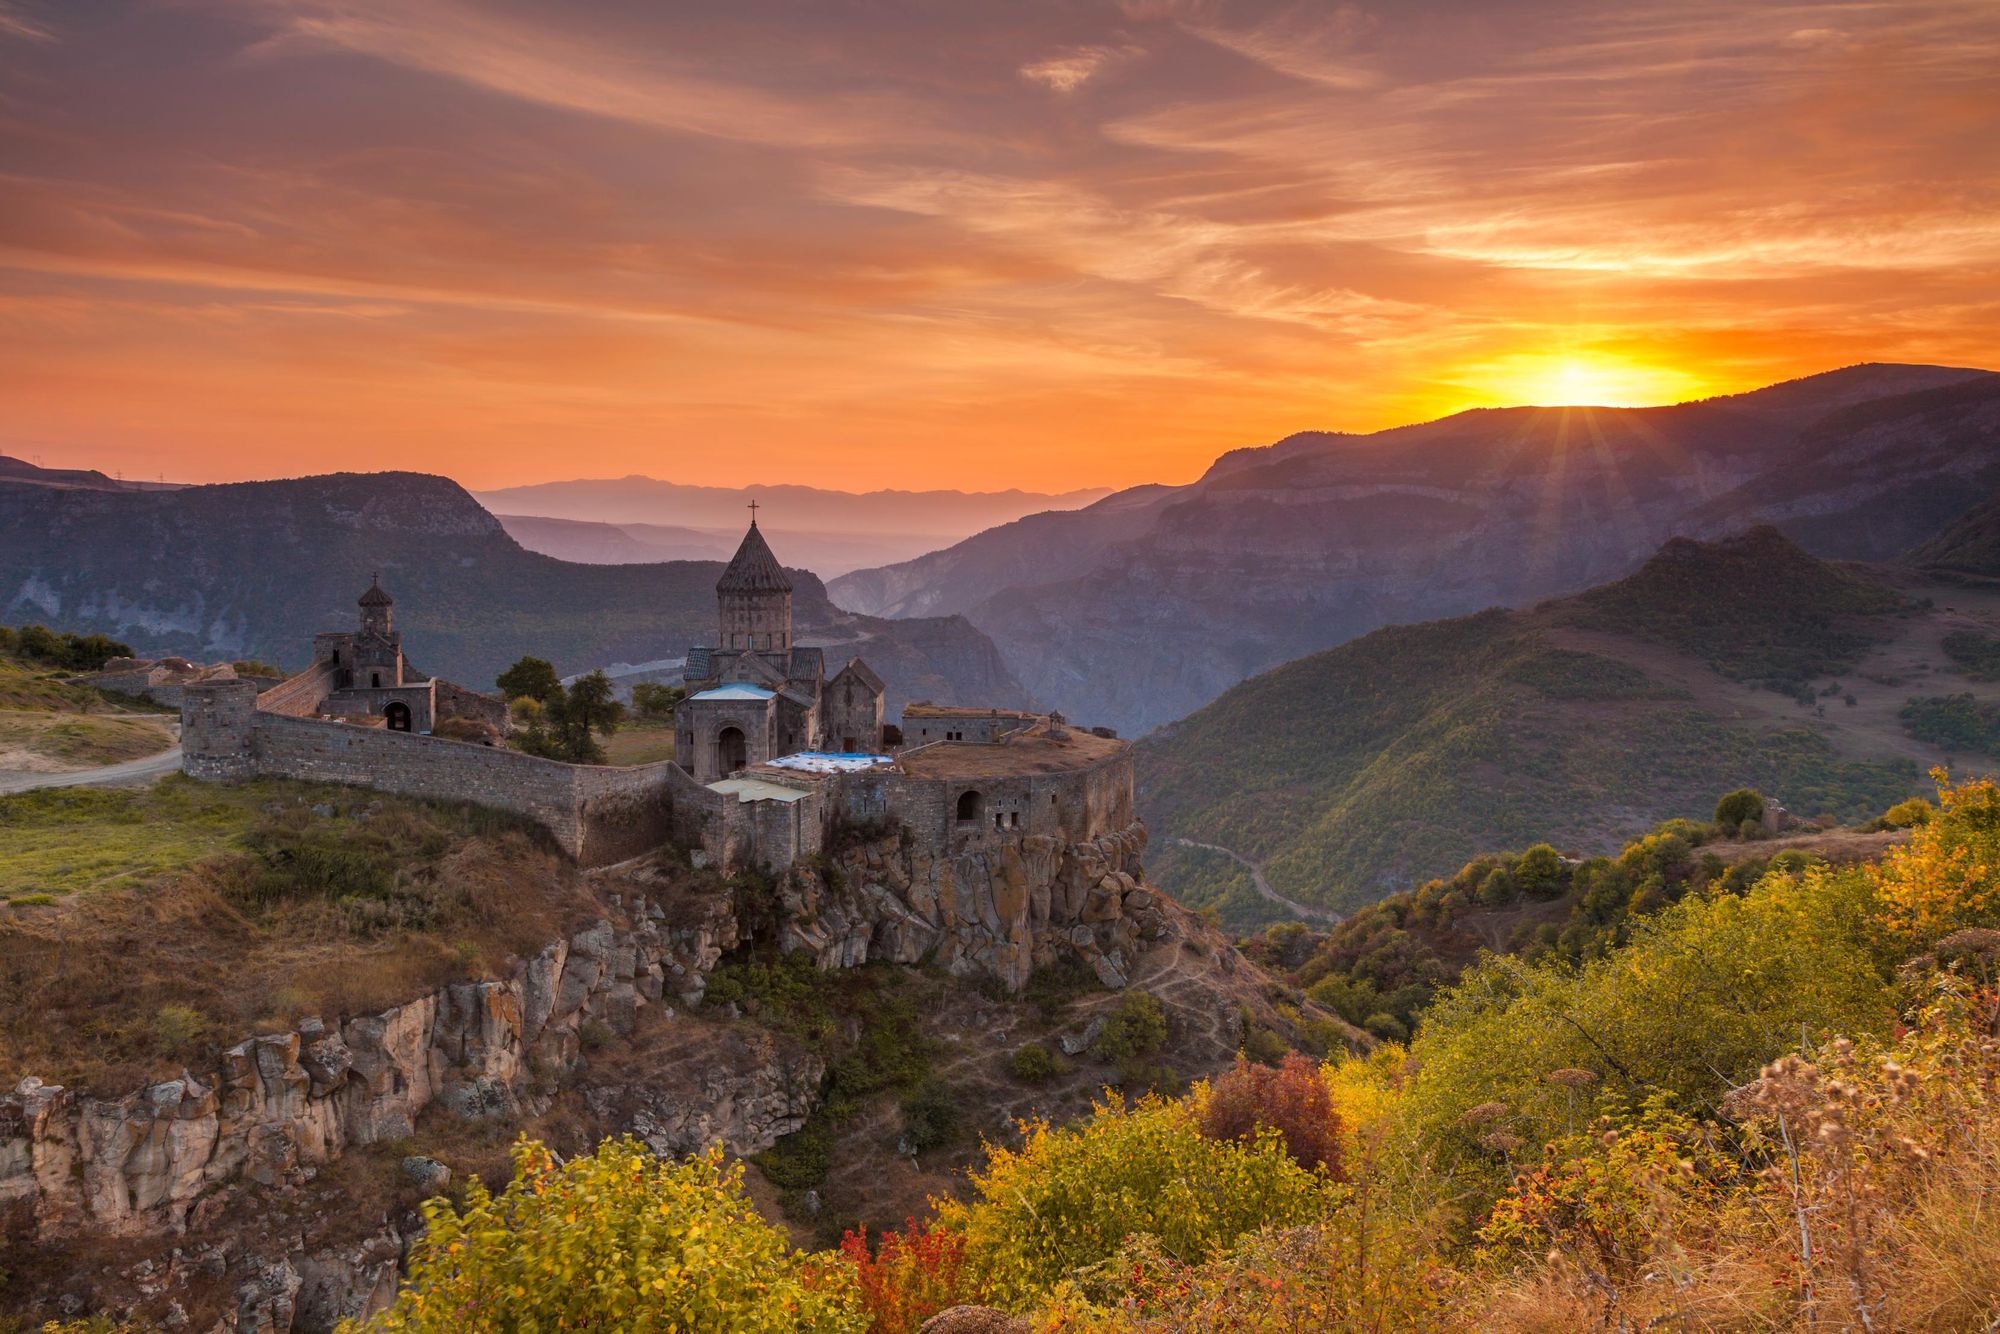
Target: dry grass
51, 741
110, 989
640, 743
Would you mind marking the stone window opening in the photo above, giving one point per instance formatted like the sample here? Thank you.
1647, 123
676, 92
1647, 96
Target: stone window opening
375, 680
969, 807
1013, 819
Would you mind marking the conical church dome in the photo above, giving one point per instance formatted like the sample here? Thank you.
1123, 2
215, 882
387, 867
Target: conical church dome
754, 569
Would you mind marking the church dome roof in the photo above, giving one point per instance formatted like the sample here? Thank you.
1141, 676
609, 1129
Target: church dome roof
376, 596
754, 569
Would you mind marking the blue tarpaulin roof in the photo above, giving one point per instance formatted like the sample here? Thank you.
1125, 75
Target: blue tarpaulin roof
829, 762
737, 690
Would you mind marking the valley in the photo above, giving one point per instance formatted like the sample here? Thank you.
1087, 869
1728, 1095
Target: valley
1394, 759
1280, 551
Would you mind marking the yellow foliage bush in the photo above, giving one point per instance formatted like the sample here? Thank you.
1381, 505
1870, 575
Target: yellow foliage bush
620, 1240
1947, 877
1069, 1199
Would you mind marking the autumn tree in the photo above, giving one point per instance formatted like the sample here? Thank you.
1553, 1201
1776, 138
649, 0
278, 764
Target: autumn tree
617, 1240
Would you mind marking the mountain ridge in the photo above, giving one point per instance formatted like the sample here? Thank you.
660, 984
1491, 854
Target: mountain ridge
253, 569
1291, 548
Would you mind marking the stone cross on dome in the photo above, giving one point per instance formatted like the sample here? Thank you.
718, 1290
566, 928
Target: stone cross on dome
753, 513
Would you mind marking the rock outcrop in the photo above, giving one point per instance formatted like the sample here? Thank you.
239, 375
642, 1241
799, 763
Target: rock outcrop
283, 1102
1001, 909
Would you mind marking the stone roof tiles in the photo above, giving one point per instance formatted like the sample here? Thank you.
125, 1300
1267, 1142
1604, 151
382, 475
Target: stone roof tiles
753, 569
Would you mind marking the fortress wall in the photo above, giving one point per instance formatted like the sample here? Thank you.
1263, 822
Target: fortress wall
300, 696
419, 766
1075, 806
622, 813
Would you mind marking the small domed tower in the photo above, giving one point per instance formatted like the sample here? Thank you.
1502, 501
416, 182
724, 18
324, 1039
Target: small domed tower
378, 649
378, 609
755, 598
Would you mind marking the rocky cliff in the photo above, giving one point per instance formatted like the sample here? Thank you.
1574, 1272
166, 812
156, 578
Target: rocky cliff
222, 1189
998, 911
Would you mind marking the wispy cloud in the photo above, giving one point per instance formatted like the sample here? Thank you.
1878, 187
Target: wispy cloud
15, 22
1066, 71
828, 236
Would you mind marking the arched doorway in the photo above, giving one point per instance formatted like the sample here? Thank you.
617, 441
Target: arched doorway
970, 806
732, 750
398, 714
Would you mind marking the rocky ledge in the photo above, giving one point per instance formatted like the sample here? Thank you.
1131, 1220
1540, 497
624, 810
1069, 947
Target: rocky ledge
1000, 909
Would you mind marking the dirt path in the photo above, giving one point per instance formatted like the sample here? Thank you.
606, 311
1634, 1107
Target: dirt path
132, 771
1263, 886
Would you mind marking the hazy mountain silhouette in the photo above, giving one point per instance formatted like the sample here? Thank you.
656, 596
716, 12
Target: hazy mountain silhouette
1146, 605
252, 569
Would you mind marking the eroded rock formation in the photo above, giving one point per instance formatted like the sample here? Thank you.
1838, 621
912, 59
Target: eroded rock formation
1001, 908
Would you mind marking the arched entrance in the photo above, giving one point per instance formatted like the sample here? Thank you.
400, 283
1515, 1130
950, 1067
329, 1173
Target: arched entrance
732, 750
398, 714
970, 807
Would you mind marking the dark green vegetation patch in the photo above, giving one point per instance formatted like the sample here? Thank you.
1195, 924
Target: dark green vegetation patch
1755, 607
1955, 723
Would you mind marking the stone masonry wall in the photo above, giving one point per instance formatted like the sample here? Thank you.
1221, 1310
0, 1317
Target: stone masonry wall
300, 696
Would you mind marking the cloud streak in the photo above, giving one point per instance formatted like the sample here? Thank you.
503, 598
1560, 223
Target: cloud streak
1082, 245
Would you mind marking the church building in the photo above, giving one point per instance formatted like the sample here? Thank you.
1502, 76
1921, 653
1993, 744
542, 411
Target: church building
369, 677
756, 696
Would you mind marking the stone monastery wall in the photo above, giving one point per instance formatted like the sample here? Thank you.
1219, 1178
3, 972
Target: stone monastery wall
601, 814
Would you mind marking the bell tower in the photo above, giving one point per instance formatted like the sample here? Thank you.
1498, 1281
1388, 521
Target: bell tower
754, 598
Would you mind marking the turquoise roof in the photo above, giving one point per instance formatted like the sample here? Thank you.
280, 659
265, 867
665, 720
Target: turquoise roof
736, 691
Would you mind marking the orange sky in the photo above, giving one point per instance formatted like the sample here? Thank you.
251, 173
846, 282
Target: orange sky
954, 244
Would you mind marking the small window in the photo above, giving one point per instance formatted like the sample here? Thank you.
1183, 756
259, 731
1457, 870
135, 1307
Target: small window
375, 678
1013, 819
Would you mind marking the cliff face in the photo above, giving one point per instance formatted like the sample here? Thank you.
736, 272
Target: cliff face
206, 1156
1149, 604
255, 569
999, 911
224, 1188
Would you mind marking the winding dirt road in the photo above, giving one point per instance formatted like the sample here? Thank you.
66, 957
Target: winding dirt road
1305, 911
131, 771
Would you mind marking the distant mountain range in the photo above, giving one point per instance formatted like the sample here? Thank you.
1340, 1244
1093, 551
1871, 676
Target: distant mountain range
1393, 759
253, 569
627, 520
1148, 604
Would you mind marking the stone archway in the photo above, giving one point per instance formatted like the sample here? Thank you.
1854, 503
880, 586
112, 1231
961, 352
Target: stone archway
971, 806
398, 714
732, 750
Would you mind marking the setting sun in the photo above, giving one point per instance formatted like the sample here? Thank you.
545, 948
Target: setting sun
1586, 379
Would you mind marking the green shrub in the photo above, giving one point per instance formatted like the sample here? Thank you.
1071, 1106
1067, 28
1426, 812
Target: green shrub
1954, 722
930, 1116
177, 1028
1070, 1198
1738, 807
1539, 873
1386, 1026
1136, 1027
1907, 814
1033, 1063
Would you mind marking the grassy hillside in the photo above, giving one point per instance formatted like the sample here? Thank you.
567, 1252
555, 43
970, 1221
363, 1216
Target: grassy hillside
1971, 545
1399, 756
